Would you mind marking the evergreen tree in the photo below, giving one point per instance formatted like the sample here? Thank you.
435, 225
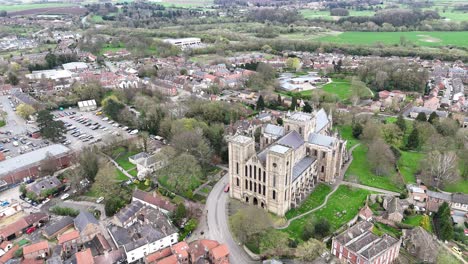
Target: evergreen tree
433, 117
443, 223
307, 108
280, 101
50, 128
357, 130
260, 103
293, 103
421, 117
413, 139
401, 123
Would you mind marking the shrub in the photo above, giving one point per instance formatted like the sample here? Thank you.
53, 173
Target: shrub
64, 211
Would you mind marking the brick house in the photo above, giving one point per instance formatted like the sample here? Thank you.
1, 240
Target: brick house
358, 245
37, 250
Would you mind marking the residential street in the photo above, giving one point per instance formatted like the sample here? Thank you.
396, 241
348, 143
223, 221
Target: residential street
218, 228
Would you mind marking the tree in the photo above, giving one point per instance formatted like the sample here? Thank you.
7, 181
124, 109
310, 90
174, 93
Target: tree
293, 103
443, 223
380, 157
12, 78
112, 106
180, 214
247, 230
279, 100
89, 91
307, 108
89, 163
260, 103
392, 134
273, 243
433, 118
25, 110
50, 128
421, 117
144, 138
181, 172
371, 131
441, 166
413, 139
105, 182
310, 250
401, 123
357, 130
112, 205
322, 228
426, 222
194, 143
293, 63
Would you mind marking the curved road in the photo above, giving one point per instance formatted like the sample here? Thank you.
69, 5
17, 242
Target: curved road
217, 220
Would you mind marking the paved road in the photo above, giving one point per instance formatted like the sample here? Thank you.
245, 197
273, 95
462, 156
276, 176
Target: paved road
14, 123
217, 221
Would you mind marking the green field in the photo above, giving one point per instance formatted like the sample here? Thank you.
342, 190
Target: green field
409, 164
22, 7
420, 38
2, 123
346, 132
360, 170
460, 186
341, 207
340, 87
315, 199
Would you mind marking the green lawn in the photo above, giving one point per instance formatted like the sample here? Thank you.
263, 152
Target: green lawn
97, 19
2, 123
315, 199
346, 132
120, 175
460, 186
420, 38
22, 7
341, 207
413, 220
340, 87
454, 15
380, 229
123, 161
360, 169
409, 164
308, 13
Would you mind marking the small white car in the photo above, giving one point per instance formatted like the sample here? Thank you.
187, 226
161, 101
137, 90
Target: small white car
100, 199
134, 132
65, 196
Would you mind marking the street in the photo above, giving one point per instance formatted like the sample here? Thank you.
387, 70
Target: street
218, 227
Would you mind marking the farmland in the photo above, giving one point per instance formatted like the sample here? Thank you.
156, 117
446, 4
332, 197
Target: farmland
23, 7
419, 38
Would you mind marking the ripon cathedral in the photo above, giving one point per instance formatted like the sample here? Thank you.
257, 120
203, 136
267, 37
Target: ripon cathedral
292, 159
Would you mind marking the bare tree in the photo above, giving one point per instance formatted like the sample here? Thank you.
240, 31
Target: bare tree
380, 157
441, 166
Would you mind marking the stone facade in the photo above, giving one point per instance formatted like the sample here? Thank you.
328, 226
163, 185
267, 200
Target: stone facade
291, 161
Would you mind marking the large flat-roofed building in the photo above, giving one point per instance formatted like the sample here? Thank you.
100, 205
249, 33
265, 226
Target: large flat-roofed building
14, 170
358, 245
50, 74
184, 42
291, 161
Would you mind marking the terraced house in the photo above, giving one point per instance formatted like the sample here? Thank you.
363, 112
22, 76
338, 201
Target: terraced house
292, 159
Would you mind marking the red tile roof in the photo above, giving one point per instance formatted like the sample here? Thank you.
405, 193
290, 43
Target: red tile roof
158, 255
43, 245
84, 257
168, 260
68, 237
180, 249
219, 252
9, 255
13, 228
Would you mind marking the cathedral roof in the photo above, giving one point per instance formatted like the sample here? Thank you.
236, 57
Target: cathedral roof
301, 166
292, 139
321, 120
321, 140
274, 130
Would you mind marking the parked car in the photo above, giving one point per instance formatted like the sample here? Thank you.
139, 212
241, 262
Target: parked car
65, 196
100, 199
30, 230
457, 251
134, 132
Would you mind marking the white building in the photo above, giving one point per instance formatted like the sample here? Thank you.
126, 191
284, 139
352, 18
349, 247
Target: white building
89, 105
184, 42
141, 230
75, 66
50, 74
